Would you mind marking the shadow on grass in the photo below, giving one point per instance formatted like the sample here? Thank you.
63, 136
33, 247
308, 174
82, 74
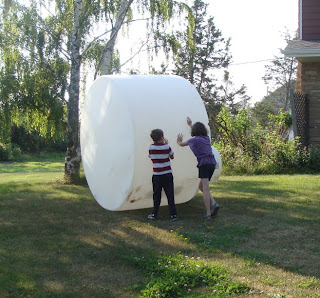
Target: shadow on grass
57, 241
70, 246
261, 223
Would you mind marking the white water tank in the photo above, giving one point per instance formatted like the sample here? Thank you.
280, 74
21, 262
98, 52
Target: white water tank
117, 117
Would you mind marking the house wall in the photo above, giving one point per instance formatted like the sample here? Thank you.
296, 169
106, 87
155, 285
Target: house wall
309, 14
309, 84
299, 80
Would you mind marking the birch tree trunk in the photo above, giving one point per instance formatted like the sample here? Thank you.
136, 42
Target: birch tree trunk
108, 51
73, 156
73, 153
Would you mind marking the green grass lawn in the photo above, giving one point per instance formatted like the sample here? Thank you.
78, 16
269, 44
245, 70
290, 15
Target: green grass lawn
56, 241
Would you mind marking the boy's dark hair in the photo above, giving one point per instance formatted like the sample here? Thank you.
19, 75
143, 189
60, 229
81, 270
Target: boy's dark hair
156, 135
198, 129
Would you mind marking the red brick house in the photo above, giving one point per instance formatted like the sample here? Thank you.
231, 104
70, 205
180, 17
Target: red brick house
307, 51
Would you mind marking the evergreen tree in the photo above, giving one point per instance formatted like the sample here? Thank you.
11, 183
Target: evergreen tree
232, 97
202, 49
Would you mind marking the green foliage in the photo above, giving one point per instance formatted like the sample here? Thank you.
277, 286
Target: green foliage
179, 276
4, 152
16, 152
247, 148
162, 9
38, 49
270, 104
30, 141
33, 75
309, 159
233, 129
202, 48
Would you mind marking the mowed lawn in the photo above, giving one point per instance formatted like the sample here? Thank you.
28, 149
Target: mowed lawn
56, 241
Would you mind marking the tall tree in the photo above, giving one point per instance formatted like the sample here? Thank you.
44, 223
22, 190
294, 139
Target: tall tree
66, 28
32, 92
160, 10
281, 72
202, 49
9, 56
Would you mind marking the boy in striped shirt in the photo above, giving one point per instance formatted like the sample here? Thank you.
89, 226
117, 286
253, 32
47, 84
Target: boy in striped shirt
160, 154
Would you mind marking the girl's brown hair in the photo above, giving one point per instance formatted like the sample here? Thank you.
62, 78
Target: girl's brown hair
198, 129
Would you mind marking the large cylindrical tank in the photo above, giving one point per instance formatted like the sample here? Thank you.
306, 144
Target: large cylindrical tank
117, 117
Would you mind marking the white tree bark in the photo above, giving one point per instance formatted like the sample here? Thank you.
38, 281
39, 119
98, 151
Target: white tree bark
73, 157
108, 51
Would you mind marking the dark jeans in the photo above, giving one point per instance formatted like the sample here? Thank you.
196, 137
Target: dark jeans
166, 182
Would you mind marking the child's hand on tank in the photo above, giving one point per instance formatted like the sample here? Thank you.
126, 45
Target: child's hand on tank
179, 138
189, 121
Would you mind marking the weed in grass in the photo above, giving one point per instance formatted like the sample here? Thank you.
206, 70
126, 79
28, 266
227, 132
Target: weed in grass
309, 283
180, 276
271, 281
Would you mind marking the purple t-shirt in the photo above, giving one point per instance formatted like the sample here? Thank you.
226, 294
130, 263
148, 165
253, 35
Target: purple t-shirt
201, 148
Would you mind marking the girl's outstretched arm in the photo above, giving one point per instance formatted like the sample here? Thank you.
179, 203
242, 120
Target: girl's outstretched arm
180, 140
189, 121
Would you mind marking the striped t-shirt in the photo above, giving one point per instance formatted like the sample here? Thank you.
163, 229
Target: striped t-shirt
159, 154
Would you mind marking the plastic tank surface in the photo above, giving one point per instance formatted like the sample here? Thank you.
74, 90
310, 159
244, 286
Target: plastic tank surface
116, 120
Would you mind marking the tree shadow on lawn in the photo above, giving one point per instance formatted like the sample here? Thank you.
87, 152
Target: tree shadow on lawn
262, 197
57, 246
59, 241
265, 225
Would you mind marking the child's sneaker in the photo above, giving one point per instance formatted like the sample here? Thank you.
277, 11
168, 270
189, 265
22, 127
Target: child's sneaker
207, 217
151, 216
215, 209
174, 217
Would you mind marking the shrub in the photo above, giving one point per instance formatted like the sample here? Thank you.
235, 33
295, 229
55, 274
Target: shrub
4, 152
16, 152
249, 149
309, 159
30, 141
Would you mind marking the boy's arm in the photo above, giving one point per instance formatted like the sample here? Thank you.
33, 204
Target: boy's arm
149, 155
171, 154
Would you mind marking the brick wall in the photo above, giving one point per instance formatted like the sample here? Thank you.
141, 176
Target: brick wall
298, 80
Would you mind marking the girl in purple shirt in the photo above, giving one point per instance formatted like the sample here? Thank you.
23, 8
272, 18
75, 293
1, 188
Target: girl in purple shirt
200, 145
